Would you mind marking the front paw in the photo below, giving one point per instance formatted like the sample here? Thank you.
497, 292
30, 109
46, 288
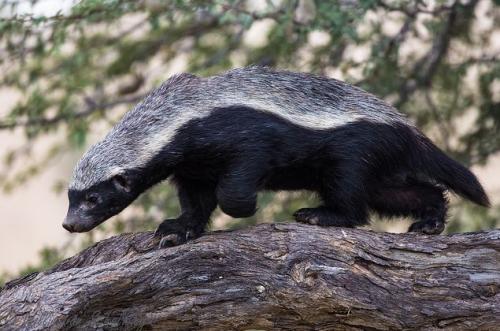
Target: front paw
175, 232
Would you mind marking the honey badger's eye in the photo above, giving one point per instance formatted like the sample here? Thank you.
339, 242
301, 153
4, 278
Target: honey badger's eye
91, 201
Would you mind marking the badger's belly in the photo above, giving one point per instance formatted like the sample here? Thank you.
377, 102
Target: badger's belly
303, 177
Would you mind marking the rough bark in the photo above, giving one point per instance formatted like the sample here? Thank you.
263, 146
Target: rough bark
281, 276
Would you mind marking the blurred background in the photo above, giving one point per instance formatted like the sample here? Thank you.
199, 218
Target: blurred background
70, 69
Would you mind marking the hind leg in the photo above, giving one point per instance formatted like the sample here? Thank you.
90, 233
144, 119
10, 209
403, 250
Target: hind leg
343, 198
424, 202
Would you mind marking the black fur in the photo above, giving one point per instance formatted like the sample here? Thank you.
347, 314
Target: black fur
228, 157
91, 207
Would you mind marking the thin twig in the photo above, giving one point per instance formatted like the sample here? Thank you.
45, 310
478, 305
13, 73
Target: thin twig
425, 69
444, 130
92, 107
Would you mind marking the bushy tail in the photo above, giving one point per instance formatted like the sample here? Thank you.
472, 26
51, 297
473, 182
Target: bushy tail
438, 166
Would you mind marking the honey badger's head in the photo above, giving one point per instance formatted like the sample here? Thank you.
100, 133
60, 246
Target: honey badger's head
105, 181
110, 176
114, 172
90, 206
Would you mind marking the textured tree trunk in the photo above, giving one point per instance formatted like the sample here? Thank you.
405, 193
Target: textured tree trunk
270, 277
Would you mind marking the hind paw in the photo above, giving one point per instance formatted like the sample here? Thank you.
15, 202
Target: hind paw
307, 215
323, 216
427, 227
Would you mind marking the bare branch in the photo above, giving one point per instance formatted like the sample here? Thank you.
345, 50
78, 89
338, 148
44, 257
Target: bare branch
444, 129
416, 8
424, 70
272, 277
91, 108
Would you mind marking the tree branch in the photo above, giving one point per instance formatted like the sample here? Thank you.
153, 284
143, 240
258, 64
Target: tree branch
60, 17
91, 108
273, 276
425, 69
415, 9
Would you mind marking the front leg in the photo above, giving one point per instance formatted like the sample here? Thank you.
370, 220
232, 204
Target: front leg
197, 202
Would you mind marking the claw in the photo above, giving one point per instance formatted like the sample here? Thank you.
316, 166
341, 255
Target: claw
306, 215
174, 232
431, 227
170, 241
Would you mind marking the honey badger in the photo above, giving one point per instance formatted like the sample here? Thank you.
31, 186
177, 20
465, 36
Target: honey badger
222, 139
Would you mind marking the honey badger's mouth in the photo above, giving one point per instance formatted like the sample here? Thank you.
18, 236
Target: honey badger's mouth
73, 223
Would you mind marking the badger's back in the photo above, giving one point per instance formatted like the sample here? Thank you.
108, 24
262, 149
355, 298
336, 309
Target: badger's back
304, 99
310, 101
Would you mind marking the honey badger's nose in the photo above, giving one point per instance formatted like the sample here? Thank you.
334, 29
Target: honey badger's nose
68, 226
70, 223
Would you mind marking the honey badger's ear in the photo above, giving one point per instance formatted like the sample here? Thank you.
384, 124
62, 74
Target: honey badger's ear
121, 182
